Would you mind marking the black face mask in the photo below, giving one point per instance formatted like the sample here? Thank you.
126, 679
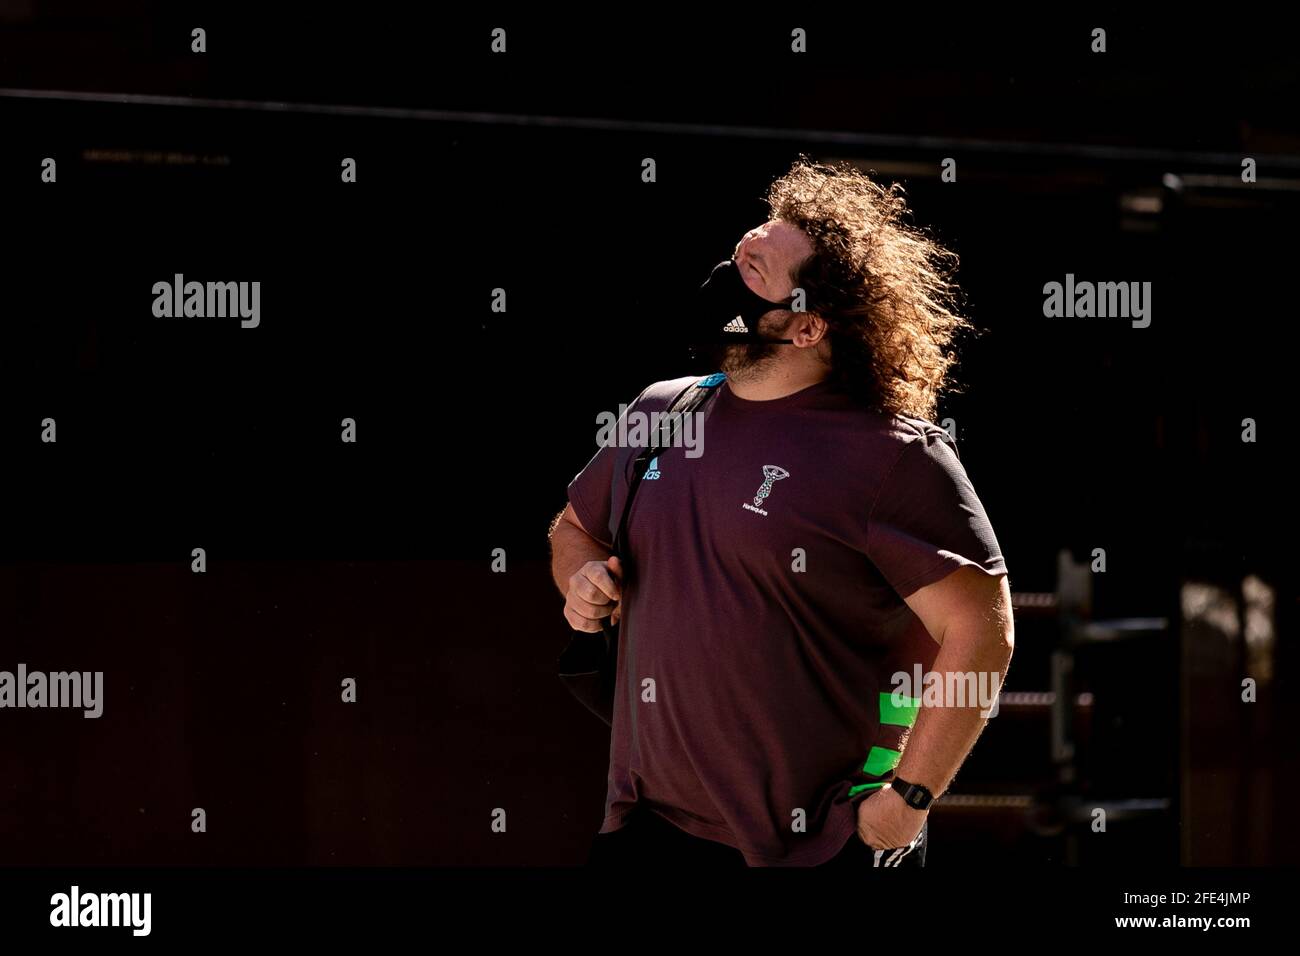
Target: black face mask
727, 311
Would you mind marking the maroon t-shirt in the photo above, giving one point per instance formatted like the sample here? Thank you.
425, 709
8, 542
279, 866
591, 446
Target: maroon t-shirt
762, 630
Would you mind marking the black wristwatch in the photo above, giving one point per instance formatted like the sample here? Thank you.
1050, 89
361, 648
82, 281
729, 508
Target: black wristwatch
914, 795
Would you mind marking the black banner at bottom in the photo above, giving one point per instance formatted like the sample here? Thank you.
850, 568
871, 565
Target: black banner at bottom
583, 906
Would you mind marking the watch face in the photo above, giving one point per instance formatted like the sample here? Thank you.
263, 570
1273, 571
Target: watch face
913, 794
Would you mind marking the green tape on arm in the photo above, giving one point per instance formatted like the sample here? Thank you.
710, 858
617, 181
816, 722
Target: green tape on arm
881, 760
899, 715
854, 791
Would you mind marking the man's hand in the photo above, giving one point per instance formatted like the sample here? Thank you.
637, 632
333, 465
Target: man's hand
585, 573
593, 594
886, 822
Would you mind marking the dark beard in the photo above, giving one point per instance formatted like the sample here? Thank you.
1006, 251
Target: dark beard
745, 361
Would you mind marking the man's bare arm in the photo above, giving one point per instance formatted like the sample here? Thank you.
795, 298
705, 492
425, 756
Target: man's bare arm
969, 614
585, 573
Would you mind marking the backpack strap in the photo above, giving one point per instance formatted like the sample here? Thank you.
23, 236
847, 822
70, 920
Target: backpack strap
690, 399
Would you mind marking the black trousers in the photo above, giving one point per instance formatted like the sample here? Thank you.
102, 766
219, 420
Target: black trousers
648, 840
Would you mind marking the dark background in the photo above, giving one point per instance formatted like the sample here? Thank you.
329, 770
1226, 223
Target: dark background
522, 171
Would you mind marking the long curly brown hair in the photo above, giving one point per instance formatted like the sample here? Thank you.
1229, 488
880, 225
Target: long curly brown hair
883, 286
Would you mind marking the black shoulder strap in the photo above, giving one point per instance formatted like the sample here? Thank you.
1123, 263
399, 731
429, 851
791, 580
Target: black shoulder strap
688, 400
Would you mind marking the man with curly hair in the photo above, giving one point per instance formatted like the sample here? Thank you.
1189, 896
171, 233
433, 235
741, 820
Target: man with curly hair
791, 583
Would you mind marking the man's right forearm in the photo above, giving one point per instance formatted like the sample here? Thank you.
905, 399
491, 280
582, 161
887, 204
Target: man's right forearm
571, 548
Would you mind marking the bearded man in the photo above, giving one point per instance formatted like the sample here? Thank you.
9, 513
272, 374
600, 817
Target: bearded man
827, 544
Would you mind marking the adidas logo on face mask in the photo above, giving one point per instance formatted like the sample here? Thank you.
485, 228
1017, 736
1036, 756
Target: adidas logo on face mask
736, 325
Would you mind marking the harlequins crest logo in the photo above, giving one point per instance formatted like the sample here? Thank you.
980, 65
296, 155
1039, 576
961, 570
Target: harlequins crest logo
771, 474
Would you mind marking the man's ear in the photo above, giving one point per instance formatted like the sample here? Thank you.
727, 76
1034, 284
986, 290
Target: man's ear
806, 329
